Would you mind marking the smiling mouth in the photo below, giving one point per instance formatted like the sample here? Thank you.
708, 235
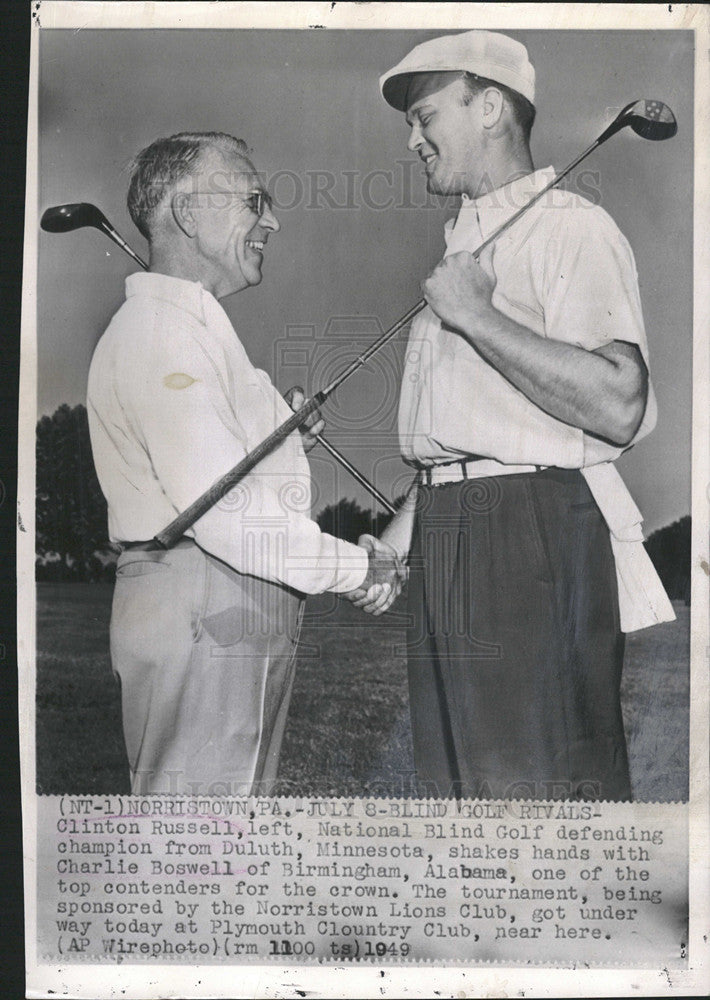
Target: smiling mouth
257, 245
428, 159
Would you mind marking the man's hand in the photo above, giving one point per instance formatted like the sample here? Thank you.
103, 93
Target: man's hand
313, 426
459, 291
384, 578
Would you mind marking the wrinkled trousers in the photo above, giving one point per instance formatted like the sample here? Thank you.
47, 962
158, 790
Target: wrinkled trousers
514, 649
205, 657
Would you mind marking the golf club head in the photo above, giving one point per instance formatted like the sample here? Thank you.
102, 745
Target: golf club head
648, 118
66, 218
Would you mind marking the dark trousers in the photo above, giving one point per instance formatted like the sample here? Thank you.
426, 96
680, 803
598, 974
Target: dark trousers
514, 652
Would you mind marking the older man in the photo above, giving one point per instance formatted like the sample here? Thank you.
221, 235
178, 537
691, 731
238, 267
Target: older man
526, 377
203, 636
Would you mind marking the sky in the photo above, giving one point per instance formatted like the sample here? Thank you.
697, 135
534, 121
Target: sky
358, 231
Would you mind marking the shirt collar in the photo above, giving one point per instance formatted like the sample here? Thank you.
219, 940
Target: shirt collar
496, 207
187, 295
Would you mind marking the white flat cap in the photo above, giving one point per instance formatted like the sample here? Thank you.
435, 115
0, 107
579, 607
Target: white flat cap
485, 53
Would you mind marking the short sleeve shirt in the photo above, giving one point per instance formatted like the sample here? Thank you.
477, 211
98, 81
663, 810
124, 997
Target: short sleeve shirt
564, 271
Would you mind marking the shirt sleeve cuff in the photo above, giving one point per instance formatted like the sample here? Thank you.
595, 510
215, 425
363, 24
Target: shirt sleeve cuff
351, 567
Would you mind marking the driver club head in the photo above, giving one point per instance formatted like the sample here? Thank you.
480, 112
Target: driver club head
651, 119
66, 218
648, 118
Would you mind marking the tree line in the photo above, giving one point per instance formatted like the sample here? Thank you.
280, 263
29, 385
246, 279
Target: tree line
72, 542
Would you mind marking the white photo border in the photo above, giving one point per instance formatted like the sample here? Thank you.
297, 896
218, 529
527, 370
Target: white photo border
414, 979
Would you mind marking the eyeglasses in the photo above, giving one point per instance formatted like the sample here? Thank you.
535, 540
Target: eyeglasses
259, 201
256, 201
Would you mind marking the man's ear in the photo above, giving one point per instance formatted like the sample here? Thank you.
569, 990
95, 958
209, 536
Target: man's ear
493, 103
183, 214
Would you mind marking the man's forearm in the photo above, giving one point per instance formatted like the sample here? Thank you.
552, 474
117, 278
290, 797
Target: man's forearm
398, 532
602, 392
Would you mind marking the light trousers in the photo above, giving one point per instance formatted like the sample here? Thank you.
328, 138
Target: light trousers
205, 658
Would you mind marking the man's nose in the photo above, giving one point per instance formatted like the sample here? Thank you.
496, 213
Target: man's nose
415, 137
269, 221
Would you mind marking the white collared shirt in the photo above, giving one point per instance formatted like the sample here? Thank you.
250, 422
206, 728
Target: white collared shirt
564, 271
174, 403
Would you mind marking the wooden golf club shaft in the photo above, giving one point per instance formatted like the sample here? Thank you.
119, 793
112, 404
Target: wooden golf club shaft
177, 528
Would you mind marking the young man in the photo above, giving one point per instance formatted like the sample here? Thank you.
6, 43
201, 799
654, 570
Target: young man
203, 636
525, 378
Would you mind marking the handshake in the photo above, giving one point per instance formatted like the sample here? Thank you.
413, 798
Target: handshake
386, 573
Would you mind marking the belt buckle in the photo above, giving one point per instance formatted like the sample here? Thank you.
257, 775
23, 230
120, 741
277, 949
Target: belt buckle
428, 472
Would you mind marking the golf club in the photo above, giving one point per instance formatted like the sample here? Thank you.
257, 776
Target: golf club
650, 119
67, 218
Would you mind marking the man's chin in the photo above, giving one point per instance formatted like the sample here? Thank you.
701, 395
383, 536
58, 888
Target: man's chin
435, 186
251, 274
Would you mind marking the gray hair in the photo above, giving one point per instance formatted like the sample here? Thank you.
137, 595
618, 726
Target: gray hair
159, 167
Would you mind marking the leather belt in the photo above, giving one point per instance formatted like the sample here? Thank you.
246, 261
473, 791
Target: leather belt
455, 472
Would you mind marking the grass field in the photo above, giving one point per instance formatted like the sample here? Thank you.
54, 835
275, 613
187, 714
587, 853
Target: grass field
348, 730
